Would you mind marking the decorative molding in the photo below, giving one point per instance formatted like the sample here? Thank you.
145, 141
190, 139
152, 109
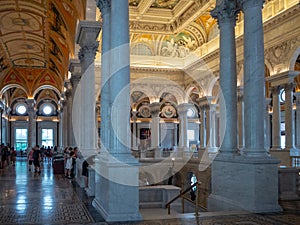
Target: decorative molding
278, 55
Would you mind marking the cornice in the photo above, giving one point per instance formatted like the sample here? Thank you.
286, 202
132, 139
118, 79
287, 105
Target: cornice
294, 11
154, 69
144, 18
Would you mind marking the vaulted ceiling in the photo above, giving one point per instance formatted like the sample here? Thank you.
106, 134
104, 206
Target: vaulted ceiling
36, 41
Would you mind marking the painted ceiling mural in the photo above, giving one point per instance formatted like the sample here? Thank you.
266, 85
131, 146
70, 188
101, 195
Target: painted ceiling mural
36, 40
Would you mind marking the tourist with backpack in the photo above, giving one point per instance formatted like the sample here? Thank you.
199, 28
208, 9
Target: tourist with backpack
36, 159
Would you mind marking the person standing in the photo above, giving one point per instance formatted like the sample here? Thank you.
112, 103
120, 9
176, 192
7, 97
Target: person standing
30, 159
37, 159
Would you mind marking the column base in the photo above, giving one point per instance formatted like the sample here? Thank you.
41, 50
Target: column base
115, 216
117, 191
293, 151
244, 183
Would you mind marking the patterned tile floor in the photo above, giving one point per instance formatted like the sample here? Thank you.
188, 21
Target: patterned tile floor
27, 198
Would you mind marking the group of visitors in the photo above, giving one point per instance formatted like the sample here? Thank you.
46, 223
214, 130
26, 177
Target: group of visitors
7, 156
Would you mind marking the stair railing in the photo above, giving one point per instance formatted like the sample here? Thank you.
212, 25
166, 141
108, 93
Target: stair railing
183, 198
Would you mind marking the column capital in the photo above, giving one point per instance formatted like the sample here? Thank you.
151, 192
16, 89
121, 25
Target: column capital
88, 52
155, 109
245, 4
225, 11
275, 90
289, 86
88, 32
282, 78
134, 115
206, 101
104, 6
183, 108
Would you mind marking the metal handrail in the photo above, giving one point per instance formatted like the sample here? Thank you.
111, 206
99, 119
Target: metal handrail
181, 195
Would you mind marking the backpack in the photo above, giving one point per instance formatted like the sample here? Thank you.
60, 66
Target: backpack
36, 154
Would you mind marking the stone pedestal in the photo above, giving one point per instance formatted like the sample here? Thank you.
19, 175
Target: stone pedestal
117, 191
251, 184
283, 156
288, 184
79, 177
90, 190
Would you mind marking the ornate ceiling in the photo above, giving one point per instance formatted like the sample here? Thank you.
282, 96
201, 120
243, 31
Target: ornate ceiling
36, 41
37, 37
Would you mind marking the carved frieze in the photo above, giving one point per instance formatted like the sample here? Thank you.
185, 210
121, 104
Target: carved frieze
278, 55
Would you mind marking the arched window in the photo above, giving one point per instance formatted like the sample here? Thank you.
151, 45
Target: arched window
21, 109
47, 110
282, 95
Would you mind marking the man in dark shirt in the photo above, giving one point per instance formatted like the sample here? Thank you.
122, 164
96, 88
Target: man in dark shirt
37, 159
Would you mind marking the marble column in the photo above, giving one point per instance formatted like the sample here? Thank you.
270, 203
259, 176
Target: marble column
267, 125
60, 127
65, 122
183, 126
74, 112
276, 133
297, 124
134, 131
240, 112
211, 125
31, 123
87, 35
202, 106
117, 173
69, 104
155, 120
226, 13
254, 79
105, 127
234, 176
289, 120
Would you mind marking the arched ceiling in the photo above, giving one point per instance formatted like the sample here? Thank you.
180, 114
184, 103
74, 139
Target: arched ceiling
37, 38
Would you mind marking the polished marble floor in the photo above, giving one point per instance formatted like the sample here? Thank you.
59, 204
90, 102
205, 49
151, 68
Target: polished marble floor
47, 199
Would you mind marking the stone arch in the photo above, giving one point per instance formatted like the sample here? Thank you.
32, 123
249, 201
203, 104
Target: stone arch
293, 58
176, 91
46, 87
211, 85
9, 86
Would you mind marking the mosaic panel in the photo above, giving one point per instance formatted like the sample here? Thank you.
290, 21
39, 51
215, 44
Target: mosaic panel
53, 214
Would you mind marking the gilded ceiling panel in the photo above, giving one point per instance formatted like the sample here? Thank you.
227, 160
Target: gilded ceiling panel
166, 4
134, 2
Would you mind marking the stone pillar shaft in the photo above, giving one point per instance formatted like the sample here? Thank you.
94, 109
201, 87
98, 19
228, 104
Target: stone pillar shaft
202, 128
268, 125
120, 78
297, 139
105, 75
226, 14
240, 112
155, 110
289, 117
254, 79
31, 124
86, 105
116, 180
183, 125
276, 133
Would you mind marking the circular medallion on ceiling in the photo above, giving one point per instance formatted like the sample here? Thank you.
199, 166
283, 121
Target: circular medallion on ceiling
20, 21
